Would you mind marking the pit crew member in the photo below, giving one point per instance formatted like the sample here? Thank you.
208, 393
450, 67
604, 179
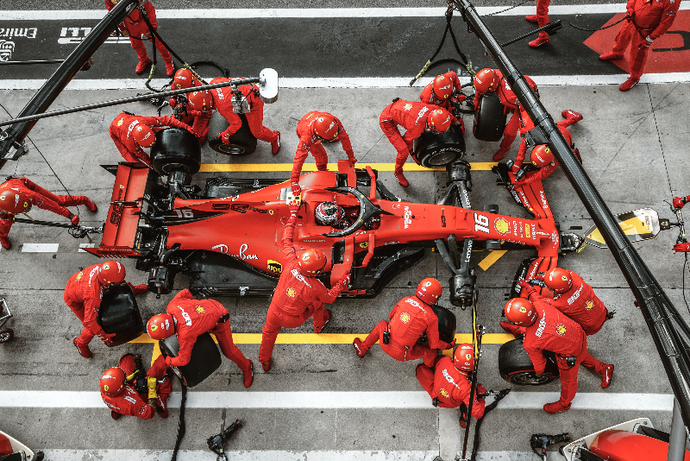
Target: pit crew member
440, 91
190, 318
541, 19
646, 21
547, 328
131, 132
83, 295
678, 204
448, 383
411, 317
198, 120
299, 294
136, 28
19, 194
128, 390
314, 129
414, 117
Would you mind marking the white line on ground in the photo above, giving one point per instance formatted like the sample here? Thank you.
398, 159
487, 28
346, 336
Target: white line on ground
355, 83
602, 401
86, 245
40, 247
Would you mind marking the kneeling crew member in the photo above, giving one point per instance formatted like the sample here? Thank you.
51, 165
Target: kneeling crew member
440, 91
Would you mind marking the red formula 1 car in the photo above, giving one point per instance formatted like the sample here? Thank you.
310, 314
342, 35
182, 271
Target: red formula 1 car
226, 238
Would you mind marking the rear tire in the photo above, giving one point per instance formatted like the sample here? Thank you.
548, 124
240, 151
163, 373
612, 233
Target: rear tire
175, 149
242, 142
515, 366
435, 150
489, 118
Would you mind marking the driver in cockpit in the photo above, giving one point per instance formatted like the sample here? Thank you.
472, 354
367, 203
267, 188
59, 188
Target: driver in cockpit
330, 214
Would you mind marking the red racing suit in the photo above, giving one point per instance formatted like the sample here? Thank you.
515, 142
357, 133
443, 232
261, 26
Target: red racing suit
83, 295
429, 97
196, 119
296, 298
309, 142
222, 102
450, 386
41, 198
554, 331
121, 133
135, 26
409, 319
410, 115
130, 402
195, 317
649, 19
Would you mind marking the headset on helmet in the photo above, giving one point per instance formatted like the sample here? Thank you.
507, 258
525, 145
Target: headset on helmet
486, 81
13, 202
325, 127
144, 135
312, 261
111, 273
442, 86
429, 290
463, 357
439, 120
521, 312
558, 280
113, 382
541, 155
328, 214
161, 326
201, 101
184, 79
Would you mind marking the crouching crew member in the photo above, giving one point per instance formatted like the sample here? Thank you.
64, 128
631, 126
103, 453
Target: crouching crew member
548, 329
83, 295
198, 120
448, 383
190, 318
18, 195
299, 294
409, 319
440, 91
128, 390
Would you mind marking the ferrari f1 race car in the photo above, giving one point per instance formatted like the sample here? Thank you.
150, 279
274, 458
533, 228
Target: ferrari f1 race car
226, 237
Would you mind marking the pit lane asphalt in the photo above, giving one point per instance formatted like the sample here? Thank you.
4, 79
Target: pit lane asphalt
633, 149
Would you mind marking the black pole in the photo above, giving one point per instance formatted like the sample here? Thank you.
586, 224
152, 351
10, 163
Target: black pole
51, 89
665, 324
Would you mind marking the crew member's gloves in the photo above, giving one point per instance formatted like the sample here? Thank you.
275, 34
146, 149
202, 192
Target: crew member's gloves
481, 392
647, 43
682, 247
151, 383
296, 190
435, 401
452, 343
293, 207
225, 138
124, 32
353, 160
518, 183
540, 276
75, 219
524, 285
679, 202
629, 13
345, 281
515, 168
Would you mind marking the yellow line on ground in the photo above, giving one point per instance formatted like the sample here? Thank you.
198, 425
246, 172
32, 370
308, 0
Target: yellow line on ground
492, 257
329, 338
269, 167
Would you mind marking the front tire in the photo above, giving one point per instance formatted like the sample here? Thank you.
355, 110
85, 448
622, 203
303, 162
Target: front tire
175, 149
515, 366
436, 150
489, 118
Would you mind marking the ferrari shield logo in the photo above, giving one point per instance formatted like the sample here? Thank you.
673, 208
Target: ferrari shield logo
404, 317
200, 309
120, 122
560, 329
589, 305
443, 392
290, 292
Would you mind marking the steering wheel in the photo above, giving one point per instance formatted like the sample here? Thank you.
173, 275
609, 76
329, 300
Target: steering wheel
367, 210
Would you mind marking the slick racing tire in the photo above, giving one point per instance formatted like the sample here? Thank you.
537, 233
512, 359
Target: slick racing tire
489, 118
175, 149
242, 142
434, 150
515, 366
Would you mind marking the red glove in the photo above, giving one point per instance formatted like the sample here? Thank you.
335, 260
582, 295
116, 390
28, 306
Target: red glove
679, 202
296, 190
481, 392
225, 138
539, 276
524, 285
629, 13
515, 168
353, 161
75, 219
345, 281
452, 343
682, 247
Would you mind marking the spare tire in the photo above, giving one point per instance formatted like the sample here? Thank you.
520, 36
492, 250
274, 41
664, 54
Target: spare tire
435, 150
205, 358
175, 149
489, 118
446, 325
515, 366
242, 142
120, 314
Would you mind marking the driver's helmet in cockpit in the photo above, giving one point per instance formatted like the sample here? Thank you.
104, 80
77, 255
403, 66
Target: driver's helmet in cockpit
330, 214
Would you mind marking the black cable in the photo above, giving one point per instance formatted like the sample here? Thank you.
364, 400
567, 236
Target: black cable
475, 444
507, 9
181, 424
595, 30
685, 264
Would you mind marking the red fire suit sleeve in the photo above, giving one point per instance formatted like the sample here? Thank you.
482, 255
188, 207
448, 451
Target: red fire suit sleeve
151, 13
345, 140
129, 403
303, 150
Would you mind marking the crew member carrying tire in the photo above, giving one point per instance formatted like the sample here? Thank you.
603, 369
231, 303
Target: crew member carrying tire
448, 383
198, 120
492, 80
136, 28
409, 319
548, 329
131, 132
127, 389
221, 100
19, 194
83, 295
541, 155
312, 130
190, 318
440, 91
299, 294
414, 117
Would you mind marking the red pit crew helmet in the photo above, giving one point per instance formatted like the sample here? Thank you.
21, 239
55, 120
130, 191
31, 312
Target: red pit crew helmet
439, 120
541, 155
312, 261
201, 101
325, 127
486, 81
113, 382
111, 273
161, 326
463, 357
13, 202
558, 280
429, 290
144, 136
521, 312
442, 86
